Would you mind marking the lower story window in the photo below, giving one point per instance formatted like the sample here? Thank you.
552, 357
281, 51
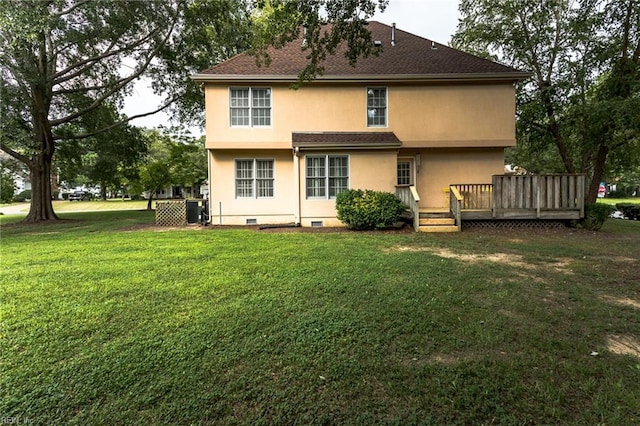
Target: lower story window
254, 178
404, 172
327, 175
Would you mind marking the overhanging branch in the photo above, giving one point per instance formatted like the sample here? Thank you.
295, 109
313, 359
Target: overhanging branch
121, 83
166, 105
22, 158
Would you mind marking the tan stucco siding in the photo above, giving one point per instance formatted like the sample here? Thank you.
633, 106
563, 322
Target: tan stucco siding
445, 116
420, 116
235, 211
367, 170
440, 168
374, 170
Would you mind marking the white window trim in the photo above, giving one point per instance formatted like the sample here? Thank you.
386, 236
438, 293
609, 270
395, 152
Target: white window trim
386, 108
251, 88
326, 176
412, 169
254, 185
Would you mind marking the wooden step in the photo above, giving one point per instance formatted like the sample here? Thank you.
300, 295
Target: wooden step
437, 221
434, 213
438, 228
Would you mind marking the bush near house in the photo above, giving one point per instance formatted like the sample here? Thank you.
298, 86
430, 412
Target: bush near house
630, 211
367, 209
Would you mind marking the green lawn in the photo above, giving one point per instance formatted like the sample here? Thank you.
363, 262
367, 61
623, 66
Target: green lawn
106, 320
614, 201
60, 206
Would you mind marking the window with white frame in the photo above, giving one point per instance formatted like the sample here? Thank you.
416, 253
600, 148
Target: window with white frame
404, 172
376, 107
250, 106
254, 178
327, 175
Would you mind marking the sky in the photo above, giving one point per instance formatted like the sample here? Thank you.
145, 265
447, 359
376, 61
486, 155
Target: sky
433, 19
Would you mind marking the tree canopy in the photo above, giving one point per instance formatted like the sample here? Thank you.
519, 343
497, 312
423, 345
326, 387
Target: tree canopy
62, 60
579, 111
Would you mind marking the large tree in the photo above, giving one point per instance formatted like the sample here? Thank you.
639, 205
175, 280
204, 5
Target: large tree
583, 99
63, 59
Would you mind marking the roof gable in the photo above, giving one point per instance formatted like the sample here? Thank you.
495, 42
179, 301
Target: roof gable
410, 56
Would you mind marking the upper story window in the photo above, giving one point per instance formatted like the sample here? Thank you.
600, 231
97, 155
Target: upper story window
250, 106
376, 106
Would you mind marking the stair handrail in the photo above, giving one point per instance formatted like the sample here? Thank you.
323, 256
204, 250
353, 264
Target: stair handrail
409, 196
416, 208
455, 205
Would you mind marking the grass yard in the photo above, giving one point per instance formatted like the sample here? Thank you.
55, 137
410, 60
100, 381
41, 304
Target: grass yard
62, 206
105, 320
614, 201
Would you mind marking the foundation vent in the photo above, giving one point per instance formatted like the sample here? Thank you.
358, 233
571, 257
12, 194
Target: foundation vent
316, 224
252, 221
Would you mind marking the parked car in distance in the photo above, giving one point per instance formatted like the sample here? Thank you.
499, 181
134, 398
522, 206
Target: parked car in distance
80, 196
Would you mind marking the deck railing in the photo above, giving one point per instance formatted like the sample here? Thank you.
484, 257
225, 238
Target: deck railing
455, 205
542, 194
476, 196
526, 196
409, 196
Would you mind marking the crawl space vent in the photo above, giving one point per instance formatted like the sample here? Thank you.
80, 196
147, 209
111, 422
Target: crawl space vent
252, 221
316, 224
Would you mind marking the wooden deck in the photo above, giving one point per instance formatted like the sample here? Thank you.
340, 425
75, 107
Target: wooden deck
553, 197
528, 197
471, 214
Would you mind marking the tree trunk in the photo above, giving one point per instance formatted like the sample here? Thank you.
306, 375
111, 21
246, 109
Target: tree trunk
40, 164
103, 191
150, 200
41, 207
598, 172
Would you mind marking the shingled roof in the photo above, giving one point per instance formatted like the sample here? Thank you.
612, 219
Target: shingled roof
350, 140
412, 57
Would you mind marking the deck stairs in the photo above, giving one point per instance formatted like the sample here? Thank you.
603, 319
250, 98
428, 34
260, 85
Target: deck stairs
437, 220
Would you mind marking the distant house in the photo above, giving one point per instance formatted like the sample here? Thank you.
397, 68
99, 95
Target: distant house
420, 114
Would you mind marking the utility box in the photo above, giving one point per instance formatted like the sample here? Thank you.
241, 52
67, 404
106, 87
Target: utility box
193, 212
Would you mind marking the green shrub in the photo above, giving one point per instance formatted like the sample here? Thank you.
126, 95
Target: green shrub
595, 215
23, 196
617, 194
7, 187
630, 211
367, 209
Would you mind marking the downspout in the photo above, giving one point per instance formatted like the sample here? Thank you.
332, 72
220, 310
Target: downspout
210, 204
296, 180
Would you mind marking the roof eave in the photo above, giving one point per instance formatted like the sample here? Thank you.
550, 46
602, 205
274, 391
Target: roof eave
361, 78
344, 146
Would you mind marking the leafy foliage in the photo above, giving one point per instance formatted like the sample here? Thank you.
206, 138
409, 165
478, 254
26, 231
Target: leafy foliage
595, 215
7, 186
367, 209
578, 113
22, 196
172, 158
107, 159
63, 61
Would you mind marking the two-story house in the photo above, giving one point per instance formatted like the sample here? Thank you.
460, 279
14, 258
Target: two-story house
419, 113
